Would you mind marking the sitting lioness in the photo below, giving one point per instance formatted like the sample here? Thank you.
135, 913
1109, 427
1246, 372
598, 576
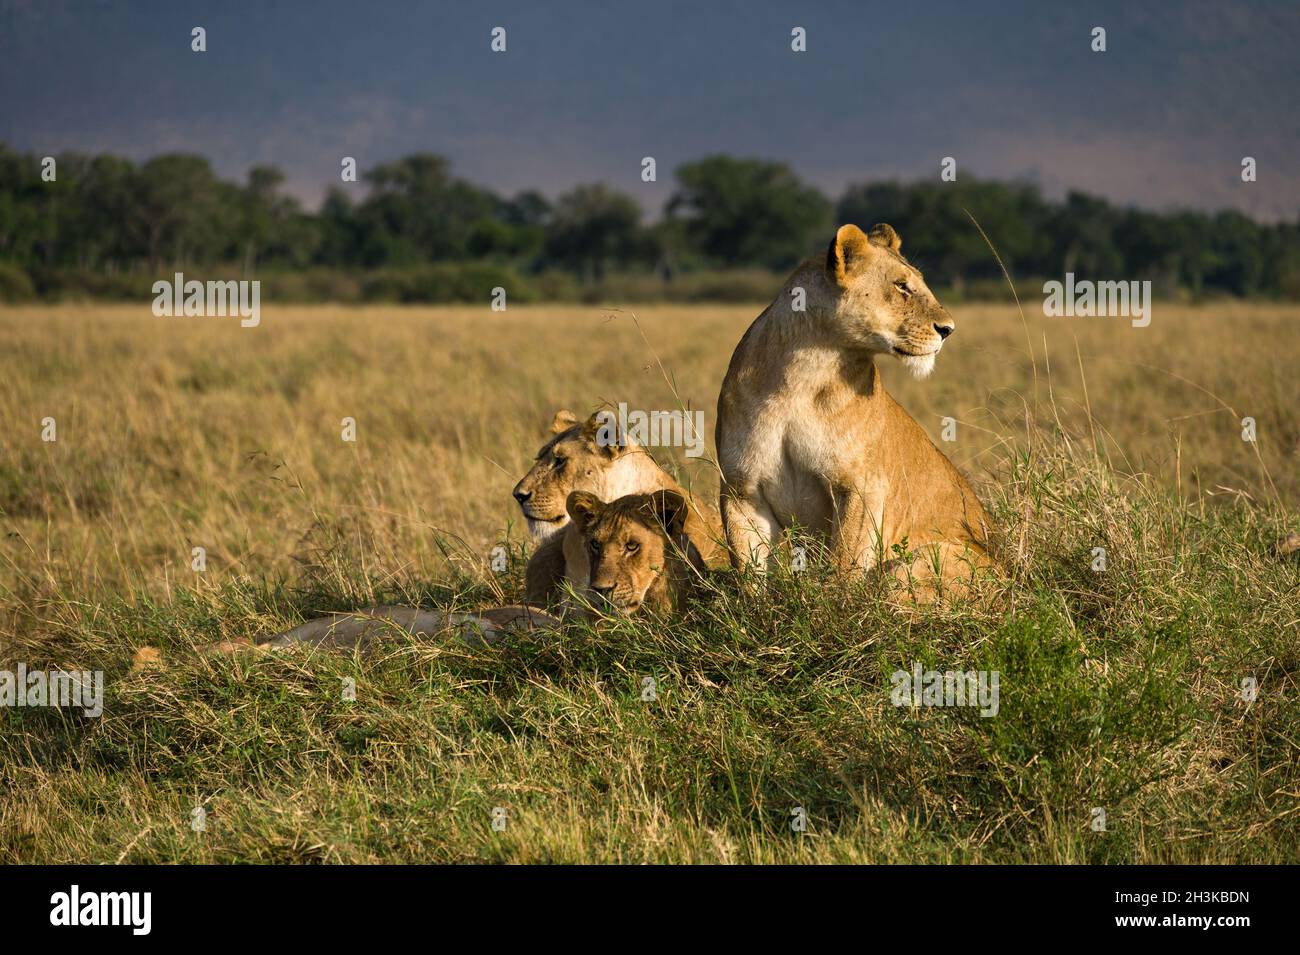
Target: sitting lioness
639, 554
808, 437
576, 459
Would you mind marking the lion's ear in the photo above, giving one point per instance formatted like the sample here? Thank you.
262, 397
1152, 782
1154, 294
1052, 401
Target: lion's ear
883, 235
670, 510
602, 430
563, 421
849, 251
583, 507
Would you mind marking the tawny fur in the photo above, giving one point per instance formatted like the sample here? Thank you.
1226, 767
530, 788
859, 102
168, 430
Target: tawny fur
362, 629
808, 437
639, 554
636, 551
574, 460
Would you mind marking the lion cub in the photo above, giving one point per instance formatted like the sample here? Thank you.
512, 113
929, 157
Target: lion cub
808, 437
638, 551
574, 460
638, 555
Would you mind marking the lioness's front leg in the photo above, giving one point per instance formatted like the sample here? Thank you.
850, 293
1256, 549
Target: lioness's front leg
544, 575
750, 526
856, 532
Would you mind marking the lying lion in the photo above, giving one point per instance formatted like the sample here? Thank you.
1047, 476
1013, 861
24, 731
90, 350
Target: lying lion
571, 463
362, 628
639, 556
808, 437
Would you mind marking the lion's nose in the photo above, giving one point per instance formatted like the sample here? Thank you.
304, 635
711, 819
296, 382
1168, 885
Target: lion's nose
521, 496
943, 330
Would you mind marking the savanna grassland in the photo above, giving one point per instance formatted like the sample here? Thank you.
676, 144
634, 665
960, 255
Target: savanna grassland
1120, 689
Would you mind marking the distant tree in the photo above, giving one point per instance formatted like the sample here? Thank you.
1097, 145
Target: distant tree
338, 231
272, 226
1190, 234
1282, 260
593, 228
671, 249
21, 205
527, 209
104, 214
747, 212
526, 217
105, 193
417, 212
1150, 249
935, 223
1083, 231
867, 203
182, 212
1237, 254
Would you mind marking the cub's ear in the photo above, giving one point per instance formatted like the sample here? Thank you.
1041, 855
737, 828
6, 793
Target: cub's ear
883, 235
602, 430
583, 507
670, 510
563, 421
849, 251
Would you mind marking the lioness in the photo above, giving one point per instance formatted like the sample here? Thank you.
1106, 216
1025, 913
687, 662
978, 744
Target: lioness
575, 460
807, 435
366, 629
361, 628
638, 551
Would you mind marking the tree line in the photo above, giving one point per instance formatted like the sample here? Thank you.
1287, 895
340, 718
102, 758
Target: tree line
105, 215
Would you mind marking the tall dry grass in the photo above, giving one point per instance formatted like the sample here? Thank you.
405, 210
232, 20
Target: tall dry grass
174, 433
1121, 689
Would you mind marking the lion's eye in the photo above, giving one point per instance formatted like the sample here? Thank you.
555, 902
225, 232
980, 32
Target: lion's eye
595, 547
559, 463
631, 547
904, 288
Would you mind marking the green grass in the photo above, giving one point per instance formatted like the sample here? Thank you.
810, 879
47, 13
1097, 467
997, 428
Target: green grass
1119, 690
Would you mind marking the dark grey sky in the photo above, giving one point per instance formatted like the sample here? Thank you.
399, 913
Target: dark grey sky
586, 89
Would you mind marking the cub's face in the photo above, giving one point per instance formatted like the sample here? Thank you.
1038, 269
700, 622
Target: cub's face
882, 303
570, 461
628, 547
